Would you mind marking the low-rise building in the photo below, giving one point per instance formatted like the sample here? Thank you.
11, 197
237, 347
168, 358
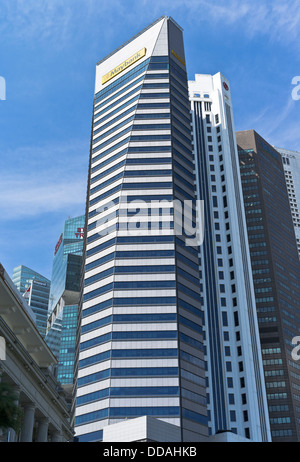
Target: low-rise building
26, 365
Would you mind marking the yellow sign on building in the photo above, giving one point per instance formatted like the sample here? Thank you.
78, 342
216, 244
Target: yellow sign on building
121, 67
178, 57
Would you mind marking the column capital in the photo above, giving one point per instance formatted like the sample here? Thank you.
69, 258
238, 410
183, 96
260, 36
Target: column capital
56, 436
29, 406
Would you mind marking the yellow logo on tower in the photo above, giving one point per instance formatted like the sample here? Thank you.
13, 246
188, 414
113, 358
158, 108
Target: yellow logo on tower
178, 57
121, 67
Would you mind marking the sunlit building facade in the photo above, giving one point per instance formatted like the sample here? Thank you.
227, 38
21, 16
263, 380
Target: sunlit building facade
235, 381
140, 348
35, 289
64, 297
276, 273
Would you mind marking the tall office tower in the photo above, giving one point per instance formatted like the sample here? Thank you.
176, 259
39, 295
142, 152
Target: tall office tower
141, 348
35, 288
236, 390
64, 298
276, 274
291, 166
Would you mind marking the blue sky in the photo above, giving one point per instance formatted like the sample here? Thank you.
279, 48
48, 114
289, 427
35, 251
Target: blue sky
48, 53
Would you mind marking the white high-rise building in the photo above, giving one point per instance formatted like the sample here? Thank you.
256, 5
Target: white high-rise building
236, 388
291, 165
140, 351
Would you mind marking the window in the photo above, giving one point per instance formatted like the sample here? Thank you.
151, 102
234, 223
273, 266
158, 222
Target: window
226, 336
224, 319
227, 351
232, 416
207, 106
231, 398
230, 382
247, 432
228, 366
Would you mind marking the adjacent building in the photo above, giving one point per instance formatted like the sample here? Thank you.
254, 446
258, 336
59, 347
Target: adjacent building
235, 381
26, 367
140, 348
35, 288
276, 276
64, 298
291, 166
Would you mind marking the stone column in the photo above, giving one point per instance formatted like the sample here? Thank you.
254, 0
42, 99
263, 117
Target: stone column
28, 423
56, 437
12, 433
42, 434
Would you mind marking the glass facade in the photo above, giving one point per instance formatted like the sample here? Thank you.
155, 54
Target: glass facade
35, 288
65, 289
276, 270
69, 242
140, 343
236, 392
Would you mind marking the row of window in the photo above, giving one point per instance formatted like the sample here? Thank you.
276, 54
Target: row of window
115, 412
126, 392
129, 318
131, 174
131, 270
136, 301
133, 186
128, 372
171, 411
134, 335
132, 353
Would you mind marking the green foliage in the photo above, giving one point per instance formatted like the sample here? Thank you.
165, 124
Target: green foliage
10, 413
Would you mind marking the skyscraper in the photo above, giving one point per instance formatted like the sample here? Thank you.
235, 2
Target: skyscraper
35, 288
276, 274
140, 350
237, 398
64, 298
291, 166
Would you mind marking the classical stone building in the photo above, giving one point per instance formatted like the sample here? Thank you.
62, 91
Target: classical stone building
26, 364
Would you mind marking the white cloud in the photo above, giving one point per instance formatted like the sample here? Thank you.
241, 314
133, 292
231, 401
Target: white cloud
20, 199
63, 20
43, 179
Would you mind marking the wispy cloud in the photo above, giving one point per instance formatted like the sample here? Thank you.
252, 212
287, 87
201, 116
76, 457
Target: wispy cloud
278, 127
43, 179
63, 20
19, 199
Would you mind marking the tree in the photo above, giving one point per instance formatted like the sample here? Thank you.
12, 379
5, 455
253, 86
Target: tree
10, 413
